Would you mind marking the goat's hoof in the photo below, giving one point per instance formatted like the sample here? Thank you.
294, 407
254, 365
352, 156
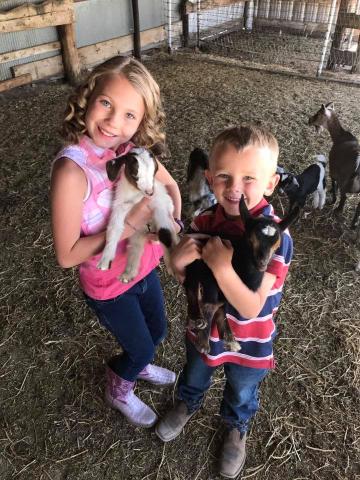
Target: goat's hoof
232, 346
124, 278
203, 348
104, 264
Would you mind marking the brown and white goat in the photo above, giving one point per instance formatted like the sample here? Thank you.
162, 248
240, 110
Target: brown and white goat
344, 157
252, 254
199, 193
136, 181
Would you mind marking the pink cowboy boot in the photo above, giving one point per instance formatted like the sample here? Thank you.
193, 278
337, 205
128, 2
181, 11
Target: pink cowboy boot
157, 375
120, 395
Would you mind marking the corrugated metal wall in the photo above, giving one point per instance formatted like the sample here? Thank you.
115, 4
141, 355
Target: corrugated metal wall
96, 21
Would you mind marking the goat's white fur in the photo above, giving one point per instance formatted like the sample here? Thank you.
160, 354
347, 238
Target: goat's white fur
126, 196
319, 196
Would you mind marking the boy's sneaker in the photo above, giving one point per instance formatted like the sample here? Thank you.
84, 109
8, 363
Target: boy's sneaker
174, 421
157, 375
233, 454
120, 395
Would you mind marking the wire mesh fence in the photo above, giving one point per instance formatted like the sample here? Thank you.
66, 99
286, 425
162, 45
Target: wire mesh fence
307, 37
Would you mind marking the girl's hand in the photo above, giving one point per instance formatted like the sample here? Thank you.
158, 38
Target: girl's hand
185, 252
217, 254
139, 215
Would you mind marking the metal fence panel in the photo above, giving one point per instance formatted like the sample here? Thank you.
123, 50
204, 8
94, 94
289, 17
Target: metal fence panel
316, 37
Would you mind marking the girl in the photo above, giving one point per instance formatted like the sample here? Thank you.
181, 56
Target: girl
116, 108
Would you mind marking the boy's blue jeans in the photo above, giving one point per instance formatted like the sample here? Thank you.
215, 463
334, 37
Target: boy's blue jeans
137, 320
240, 397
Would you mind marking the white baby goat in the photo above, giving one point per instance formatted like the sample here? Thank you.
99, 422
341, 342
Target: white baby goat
137, 180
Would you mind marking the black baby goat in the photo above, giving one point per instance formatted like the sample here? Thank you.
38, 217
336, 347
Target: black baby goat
311, 181
252, 254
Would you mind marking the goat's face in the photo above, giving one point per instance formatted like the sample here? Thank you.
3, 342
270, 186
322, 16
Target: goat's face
140, 169
288, 184
322, 116
264, 238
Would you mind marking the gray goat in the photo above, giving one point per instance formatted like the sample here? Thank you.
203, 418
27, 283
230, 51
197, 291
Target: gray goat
344, 157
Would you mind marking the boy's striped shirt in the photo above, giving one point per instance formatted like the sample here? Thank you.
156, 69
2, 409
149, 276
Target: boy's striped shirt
255, 335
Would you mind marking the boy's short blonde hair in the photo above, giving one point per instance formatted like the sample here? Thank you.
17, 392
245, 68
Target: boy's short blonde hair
244, 136
150, 129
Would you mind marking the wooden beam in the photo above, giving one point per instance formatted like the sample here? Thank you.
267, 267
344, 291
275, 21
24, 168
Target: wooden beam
15, 82
49, 67
29, 52
98, 52
38, 21
90, 55
206, 5
32, 9
69, 53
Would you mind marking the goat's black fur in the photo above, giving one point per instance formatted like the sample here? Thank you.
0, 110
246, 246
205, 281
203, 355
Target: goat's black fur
299, 187
198, 159
199, 193
251, 255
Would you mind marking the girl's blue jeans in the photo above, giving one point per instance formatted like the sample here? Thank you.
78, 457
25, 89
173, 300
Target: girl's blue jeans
240, 397
137, 320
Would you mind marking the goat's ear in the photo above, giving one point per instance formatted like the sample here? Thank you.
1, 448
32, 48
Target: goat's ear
113, 167
244, 211
330, 106
156, 165
290, 218
158, 149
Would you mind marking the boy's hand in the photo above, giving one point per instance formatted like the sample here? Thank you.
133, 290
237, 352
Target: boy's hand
217, 254
185, 252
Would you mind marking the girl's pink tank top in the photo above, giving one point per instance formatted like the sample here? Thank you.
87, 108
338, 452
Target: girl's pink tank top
98, 284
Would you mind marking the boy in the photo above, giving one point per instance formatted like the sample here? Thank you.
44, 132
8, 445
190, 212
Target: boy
242, 161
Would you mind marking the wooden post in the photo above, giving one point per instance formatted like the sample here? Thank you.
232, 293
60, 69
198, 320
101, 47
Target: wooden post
136, 20
69, 53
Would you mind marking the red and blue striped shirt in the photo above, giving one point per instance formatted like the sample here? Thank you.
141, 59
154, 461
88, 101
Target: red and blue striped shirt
255, 335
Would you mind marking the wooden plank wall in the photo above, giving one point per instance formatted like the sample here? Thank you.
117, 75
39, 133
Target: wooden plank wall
60, 13
90, 55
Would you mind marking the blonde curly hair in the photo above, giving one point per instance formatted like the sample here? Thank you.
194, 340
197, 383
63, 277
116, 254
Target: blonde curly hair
149, 133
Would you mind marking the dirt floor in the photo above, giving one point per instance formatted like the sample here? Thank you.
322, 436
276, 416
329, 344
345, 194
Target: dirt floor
54, 423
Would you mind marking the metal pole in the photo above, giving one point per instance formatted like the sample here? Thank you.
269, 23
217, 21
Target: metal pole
136, 20
198, 23
327, 37
169, 27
